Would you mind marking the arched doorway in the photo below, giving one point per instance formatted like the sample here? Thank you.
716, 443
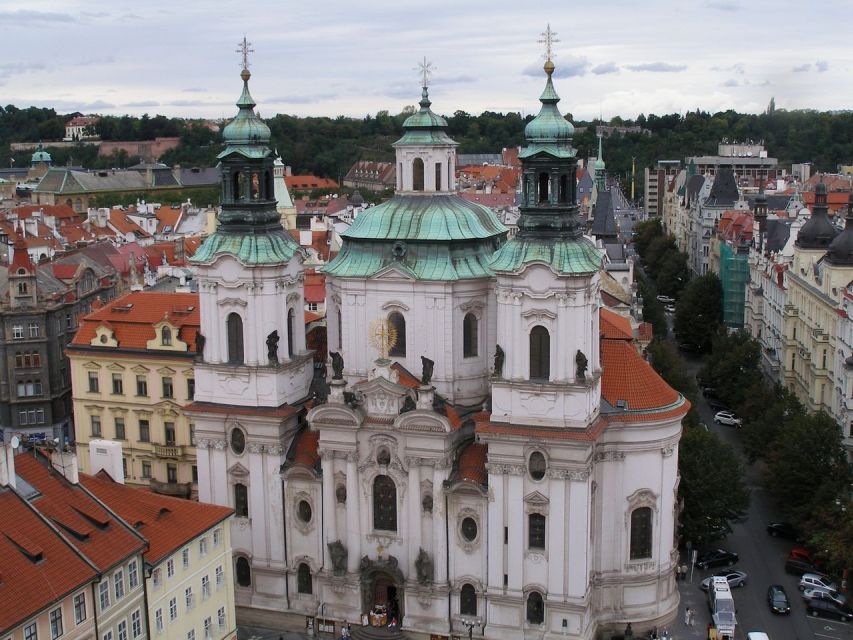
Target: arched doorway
382, 586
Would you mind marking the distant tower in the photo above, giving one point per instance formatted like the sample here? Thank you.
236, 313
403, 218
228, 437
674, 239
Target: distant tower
22, 276
600, 182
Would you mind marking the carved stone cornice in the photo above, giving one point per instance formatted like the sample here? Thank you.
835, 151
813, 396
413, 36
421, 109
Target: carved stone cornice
499, 469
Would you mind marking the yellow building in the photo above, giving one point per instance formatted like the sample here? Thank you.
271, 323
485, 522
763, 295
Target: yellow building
131, 376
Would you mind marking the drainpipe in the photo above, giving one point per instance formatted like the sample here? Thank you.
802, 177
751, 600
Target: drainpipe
447, 560
95, 611
284, 535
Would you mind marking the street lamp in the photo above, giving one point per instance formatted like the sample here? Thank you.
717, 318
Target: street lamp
470, 624
11, 162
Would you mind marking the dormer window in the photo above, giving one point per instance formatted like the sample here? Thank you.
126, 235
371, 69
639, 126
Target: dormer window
166, 336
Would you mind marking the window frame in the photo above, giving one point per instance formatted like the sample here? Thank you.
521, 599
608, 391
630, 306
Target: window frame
470, 335
55, 617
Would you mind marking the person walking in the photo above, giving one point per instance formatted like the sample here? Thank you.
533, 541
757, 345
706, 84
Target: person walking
687, 614
691, 617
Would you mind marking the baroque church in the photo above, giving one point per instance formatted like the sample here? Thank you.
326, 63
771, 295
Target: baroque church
493, 455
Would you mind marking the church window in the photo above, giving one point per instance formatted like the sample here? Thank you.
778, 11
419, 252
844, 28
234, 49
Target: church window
535, 608
544, 182
384, 504
290, 316
22, 288
540, 353
641, 533
417, 175
564, 188
238, 186
244, 572
469, 529
238, 441
255, 186
235, 338
269, 190
469, 336
468, 600
536, 465
536, 531
303, 511
438, 176
241, 500
340, 331
399, 323
303, 579
166, 335
383, 457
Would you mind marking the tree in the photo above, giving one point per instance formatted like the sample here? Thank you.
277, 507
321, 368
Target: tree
711, 491
765, 410
669, 365
699, 312
733, 367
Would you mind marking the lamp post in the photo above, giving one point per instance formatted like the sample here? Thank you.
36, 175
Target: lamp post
11, 162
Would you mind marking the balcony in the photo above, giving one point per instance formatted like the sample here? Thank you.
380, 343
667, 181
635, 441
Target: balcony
176, 489
168, 451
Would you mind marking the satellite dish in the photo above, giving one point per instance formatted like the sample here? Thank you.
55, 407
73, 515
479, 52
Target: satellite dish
15, 442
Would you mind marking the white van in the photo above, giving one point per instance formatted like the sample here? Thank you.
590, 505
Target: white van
757, 635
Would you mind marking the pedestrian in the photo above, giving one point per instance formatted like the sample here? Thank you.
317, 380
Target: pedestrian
692, 616
629, 632
684, 572
687, 616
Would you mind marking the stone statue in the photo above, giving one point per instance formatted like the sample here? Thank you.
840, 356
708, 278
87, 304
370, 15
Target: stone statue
408, 405
426, 370
423, 565
199, 345
499, 360
581, 362
337, 365
272, 347
338, 553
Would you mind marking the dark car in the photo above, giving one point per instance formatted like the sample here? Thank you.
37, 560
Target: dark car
798, 566
716, 558
716, 405
778, 599
829, 609
782, 530
709, 392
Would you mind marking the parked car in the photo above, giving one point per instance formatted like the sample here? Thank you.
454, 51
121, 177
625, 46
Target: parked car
665, 299
709, 392
727, 418
782, 530
716, 558
733, 577
716, 405
801, 553
811, 580
798, 567
829, 609
778, 599
816, 593
669, 308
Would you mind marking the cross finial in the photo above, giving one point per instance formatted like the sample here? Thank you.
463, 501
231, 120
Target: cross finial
548, 38
425, 69
244, 50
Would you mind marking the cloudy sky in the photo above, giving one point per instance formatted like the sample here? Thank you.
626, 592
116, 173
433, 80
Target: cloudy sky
336, 57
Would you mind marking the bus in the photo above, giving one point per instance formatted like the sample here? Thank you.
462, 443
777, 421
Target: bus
722, 607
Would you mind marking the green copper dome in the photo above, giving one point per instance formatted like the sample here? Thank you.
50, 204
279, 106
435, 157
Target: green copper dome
566, 256
41, 156
425, 127
247, 128
549, 129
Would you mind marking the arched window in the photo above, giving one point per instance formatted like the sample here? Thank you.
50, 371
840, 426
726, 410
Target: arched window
303, 579
290, 316
384, 504
417, 175
340, 330
540, 353
22, 288
399, 323
237, 188
235, 338
469, 336
544, 183
641, 533
244, 572
438, 176
166, 335
564, 188
269, 190
536, 531
468, 600
241, 500
535, 608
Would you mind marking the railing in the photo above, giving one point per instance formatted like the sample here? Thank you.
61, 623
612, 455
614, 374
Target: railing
168, 451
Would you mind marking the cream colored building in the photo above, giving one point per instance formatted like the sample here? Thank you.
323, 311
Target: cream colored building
132, 375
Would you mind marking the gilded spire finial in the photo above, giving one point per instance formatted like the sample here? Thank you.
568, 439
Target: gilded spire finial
425, 70
244, 49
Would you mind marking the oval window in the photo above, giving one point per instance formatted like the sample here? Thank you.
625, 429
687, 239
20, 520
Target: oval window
238, 441
537, 465
303, 510
469, 529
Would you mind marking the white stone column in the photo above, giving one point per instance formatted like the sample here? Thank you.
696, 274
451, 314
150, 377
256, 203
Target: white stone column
556, 535
329, 528
414, 492
578, 523
439, 514
496, 533
353, 541
515, 551
205, 479
258, 501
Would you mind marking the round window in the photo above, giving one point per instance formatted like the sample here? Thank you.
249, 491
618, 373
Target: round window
238, 441
303, 510
469, 529
537, 465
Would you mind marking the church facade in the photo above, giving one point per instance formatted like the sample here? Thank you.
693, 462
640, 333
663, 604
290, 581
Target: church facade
522, 485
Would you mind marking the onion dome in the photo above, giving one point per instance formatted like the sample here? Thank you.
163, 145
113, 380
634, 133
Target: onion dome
41, 156
841, 249
549, 127
247, 128
424, 127
818, 232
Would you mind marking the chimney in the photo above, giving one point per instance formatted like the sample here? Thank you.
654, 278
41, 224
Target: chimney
65, 462
106, 455
7, 465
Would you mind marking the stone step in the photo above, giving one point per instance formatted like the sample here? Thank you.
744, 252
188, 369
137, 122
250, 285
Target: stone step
376, 633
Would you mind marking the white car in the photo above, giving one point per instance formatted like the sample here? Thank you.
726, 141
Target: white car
665, 299
819, 593
727, 418
813, 580
669, 308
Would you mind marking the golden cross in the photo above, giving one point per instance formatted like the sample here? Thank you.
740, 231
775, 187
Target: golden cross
425, 68
383, 336
548, 38
244, 51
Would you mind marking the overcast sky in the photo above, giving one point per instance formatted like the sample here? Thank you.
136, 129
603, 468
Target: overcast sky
335, 57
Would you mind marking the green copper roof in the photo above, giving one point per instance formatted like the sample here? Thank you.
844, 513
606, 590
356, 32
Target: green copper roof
247, 128
427, 217
421, 261
267, 248
425, 127
549, 130
564, 256
41, 155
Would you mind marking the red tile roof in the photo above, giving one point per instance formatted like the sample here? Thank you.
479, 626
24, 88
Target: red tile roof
305, 448
626, 376
308, 183
472, 463
133, 315
94, 531
60, 211
65, 271
167, 217
37, 567
310, 317
167, 523
21, 257
615, 326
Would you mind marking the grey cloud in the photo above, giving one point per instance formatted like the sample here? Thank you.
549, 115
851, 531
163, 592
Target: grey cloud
738, 68
566, 67
657, 67
731, 83
142, 103
9, 70
802, 68
24, 17
95, 14
453, 80
302, 99
821, 66
605, 67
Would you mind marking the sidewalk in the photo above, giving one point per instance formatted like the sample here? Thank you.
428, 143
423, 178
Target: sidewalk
257, 633
691, 596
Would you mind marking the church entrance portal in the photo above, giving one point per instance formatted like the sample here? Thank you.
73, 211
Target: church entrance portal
383, 593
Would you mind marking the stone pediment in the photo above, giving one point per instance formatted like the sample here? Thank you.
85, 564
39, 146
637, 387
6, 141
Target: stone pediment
335, 414
395, 271
422, 421
535, 498
382, 397
238, 471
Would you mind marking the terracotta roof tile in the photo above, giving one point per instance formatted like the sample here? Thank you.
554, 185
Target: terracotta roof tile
305, 448
626, 376
472, 463
308, 182
166, 523
310, 317
615, 326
